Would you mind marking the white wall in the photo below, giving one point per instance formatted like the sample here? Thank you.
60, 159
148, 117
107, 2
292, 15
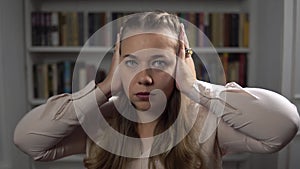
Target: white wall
296, 68
289, 157
270, 70
269, 35
12, 82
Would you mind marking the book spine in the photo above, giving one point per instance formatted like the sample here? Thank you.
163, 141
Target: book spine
45, 84
234, 30
35, 80
224, 59
67, 77
75, 29
242, 70
246, 31
201, 35
207, 29
54, 29
34, 28
63, 29
60, 77
81, 28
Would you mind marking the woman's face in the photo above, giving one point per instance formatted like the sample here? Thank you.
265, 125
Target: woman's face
147, 63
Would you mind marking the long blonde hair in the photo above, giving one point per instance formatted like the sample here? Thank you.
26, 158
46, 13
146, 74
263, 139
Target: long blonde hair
187, 154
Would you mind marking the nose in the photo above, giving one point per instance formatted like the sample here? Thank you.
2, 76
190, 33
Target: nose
145, 77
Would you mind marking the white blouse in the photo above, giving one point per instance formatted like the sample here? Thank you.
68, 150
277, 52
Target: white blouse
253, 120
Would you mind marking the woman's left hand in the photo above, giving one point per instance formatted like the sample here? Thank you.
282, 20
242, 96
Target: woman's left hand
185, 69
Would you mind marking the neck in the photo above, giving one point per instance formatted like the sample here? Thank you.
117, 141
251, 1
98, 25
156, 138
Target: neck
147, 129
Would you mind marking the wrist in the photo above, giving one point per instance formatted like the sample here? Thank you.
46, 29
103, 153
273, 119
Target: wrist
199, 92
188, 86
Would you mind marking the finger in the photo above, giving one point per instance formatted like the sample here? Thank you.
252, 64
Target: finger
117, 46
181, 52
188, 52
185, 39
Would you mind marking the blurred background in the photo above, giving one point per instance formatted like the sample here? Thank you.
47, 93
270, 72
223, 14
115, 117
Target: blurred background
258, 43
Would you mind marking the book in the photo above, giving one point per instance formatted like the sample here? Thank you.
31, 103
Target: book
54, 29
96, 20
207, 29
242, 70
246, 31
44, 83
34, 29
224, 60
234, 30
60, 77
200, 23
35, 80
73, 28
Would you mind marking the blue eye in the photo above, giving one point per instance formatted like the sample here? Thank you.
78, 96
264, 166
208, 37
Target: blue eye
159, 64
131, 63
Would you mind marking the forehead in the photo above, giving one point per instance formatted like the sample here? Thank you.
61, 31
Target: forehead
146, 41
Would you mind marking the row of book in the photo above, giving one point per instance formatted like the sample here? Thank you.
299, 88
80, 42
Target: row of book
206, 29
61, 77
75, 28
234, 69
66, 28
220, 29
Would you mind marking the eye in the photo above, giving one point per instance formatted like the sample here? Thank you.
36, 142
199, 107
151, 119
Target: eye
131, 63
159, 64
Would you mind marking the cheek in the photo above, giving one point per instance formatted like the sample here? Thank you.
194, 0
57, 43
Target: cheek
125, 81
165, 82
163, 77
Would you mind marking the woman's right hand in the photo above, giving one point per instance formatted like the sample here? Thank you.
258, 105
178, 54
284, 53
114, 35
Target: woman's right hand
106, 85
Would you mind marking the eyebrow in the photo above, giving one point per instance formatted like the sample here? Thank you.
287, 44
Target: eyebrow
152, 56
129, 55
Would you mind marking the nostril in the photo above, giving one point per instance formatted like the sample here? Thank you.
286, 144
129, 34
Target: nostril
145, 80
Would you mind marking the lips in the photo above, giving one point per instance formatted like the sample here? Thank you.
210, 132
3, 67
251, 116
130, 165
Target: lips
143, 95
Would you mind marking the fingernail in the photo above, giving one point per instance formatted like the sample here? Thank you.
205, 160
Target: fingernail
121, 28
181, 32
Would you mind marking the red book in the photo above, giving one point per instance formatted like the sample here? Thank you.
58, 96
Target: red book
242, 70
226, 33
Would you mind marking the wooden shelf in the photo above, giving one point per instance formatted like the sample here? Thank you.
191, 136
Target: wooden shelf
46, 49
36, 102
222, 50
297, 96
64, 49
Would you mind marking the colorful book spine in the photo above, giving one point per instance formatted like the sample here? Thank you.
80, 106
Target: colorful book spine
222, 29
57, 28
61, 77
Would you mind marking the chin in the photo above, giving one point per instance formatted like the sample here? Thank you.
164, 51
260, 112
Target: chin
144, 106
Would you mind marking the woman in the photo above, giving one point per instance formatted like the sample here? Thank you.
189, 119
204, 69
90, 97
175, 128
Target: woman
163, 116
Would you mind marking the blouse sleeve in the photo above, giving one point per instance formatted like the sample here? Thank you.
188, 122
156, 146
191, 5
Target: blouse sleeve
52, 130
252, 119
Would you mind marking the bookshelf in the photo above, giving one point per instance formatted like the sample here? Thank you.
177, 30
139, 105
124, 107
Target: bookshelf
54, 47
36, 54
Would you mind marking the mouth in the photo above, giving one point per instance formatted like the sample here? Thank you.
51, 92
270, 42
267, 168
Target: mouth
143, 95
